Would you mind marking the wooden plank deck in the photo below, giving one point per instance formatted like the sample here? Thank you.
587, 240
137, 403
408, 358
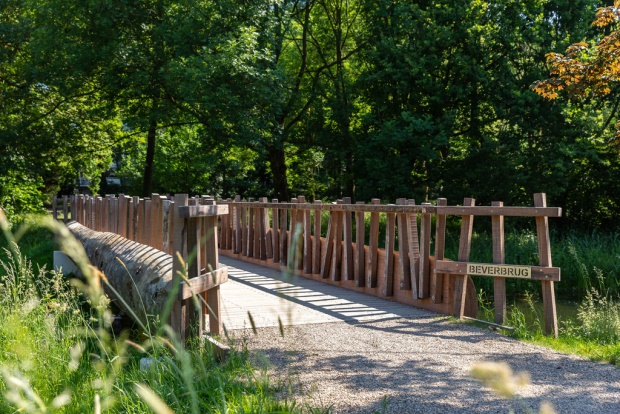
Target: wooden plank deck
269, 294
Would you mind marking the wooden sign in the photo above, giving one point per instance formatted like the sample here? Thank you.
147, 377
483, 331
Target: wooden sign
477, 269
498, 270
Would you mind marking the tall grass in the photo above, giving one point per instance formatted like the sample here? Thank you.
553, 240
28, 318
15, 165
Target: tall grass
586, 260
58, 353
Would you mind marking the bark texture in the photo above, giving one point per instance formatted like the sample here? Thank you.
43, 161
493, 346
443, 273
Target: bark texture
143, 279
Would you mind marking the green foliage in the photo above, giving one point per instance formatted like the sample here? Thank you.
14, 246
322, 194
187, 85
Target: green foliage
328, 99
58, 353
20, 194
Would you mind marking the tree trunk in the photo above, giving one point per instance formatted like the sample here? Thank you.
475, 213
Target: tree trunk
147, 187
278, 171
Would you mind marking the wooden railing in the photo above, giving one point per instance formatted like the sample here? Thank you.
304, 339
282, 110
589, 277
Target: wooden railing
289, 235
185, 228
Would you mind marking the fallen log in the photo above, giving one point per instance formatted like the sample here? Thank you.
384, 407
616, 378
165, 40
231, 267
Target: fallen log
141, 274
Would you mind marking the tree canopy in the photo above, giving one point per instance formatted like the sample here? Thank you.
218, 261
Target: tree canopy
326, 98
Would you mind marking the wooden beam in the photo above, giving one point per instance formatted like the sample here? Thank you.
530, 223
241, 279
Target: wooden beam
203, 211
347, 259
336, 271
388, 269
424, 278
403, 247
262, 231
360, 259
326, 260
544, 257
460, 268
499, 283
316, 240
275, 237
414, 250
500, 211
373, 246
238, 228
283, 236
460, 289
369, 208
308, 247
437, 280
251, 227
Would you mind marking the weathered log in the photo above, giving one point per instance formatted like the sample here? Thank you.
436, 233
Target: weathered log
143, 279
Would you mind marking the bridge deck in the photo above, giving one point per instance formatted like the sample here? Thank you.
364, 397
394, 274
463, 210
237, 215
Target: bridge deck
269, 294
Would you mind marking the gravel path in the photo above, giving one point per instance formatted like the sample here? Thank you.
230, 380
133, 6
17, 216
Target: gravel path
414, 361
421, 365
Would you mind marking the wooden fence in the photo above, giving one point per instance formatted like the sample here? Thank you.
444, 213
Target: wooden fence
289, 235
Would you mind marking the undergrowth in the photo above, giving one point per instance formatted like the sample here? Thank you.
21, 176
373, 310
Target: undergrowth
593, 333
58, 352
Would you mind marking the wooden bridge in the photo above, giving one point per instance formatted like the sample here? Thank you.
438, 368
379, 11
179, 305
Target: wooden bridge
290, 237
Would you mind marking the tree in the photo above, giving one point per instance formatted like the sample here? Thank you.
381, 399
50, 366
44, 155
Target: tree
587, 74
46, 137
449, 111
589, 70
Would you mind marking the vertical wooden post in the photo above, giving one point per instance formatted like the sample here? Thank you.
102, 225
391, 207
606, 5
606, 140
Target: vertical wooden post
326, 259
244, 229
113, 214
135, 224
337, 250
105, 216
224, 232
425, 247
165, 225
65, 210
194, 233
171, 220
275, 235
122, 215
180, 309
499, 283
212, 296
257, 230
87, 215
293, 242
403, 247
238, 229
373, 246
347, 253
388, 270
251, 212
263, 226
460, 288
99, 213
360, 259
268, 232
78, 211
283, 237
291, 235
437, 280
307, 217
156, 213
299, 224
194, 323
147, 221
316, 240
93, 216
544, 257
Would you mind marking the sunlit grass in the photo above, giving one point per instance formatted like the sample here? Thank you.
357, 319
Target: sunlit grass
58, 352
